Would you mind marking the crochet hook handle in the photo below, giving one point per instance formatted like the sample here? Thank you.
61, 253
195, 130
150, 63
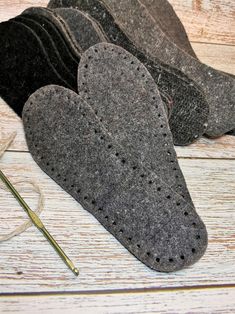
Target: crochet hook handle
38, 223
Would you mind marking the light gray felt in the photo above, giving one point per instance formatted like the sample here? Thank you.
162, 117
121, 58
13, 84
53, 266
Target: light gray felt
81, 27
135, 20
70, 144
179, 93
125, 98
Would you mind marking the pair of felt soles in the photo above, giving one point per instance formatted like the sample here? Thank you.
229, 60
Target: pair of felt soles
152, 35
59, 40
121, 167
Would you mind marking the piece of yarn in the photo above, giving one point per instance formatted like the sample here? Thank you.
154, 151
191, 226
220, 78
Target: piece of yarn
4, 144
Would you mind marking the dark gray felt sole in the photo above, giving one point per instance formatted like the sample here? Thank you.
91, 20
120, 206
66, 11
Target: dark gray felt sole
135, 21
50, 15
125, 98
81, 28
70, 144
64, 50
189, 114
24, 65
51, 50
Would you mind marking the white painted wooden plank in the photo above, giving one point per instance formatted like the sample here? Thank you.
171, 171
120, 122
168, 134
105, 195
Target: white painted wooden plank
223, 147
207, 20
221, 300
219, 57
11, 8
28, 263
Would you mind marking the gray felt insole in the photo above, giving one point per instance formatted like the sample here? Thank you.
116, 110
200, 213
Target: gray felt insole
50, 15
70, 144
82, 29
125, 98
189, 113
51, 50
164, 15
136, 22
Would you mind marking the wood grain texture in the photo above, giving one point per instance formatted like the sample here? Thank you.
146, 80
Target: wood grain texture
28, 263
210, 21
217, 56
190, 301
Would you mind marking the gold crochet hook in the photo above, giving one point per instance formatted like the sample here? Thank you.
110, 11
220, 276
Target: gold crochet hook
38, 223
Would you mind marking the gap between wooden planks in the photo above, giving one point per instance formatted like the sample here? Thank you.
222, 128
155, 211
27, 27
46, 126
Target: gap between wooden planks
202, 301
28, 263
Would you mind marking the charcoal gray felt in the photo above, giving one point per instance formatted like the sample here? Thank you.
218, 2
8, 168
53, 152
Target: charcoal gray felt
51, 50
69, 59
136, 22
167, 19
188, 101
83, 30
125, 98
71, 145
24, 65
51, 16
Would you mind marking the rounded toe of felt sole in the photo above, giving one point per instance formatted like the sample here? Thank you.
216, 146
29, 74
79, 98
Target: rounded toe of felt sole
180, 244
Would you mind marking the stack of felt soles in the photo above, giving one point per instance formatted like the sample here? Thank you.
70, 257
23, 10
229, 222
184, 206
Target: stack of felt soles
136, 21
187, 108
61, 36
167, 19
135, 189
38, 48
141, 29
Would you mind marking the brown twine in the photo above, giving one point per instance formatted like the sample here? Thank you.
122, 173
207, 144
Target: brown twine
4, 144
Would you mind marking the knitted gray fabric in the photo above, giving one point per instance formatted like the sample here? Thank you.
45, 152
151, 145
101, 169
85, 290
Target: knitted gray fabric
51, 50
125, 98
136, 22
83, 31
188, 102
70, 144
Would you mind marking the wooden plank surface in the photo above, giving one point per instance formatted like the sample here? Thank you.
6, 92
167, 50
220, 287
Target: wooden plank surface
112, 280
221, 300
28, 263
208, 21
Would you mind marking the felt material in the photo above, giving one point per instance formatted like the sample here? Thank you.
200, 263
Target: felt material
125, 98
189, 119
69, 59
136, 22
71, 145
51, 51
164, 15
83, 30
24, 65
50, 15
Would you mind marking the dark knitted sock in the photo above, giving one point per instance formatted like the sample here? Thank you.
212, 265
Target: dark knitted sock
189, 119
152, 221
24, 65
136, 22
125, 98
